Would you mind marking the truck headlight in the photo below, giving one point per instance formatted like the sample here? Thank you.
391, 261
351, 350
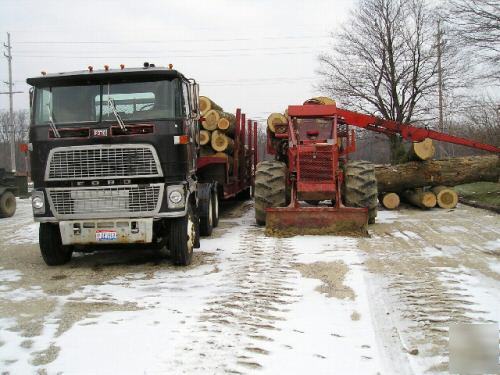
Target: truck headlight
175, 194
175, 197
38, 202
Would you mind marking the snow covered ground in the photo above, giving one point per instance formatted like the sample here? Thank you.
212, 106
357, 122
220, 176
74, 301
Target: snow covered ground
251, 303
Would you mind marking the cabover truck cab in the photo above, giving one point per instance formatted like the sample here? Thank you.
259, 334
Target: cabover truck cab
114, 160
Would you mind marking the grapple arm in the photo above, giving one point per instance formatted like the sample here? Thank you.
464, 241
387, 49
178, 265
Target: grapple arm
408, 132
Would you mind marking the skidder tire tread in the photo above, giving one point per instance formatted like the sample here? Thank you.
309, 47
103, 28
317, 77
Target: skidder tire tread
270, 188
360, 187
54, 253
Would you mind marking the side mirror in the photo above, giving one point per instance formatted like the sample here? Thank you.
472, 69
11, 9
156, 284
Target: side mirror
31, 97
195, 99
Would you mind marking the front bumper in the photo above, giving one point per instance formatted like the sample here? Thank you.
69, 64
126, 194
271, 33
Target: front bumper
106, 231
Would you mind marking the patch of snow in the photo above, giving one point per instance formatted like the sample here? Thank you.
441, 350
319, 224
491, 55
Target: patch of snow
398, 234
28, 234
310, 249
477, 289
453, 229
431, 251
9, 276
411, 235
387, 217
22, 294
492, 245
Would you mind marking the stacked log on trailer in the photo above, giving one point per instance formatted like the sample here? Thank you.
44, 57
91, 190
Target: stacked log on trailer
217, 132
429, 183
213, 138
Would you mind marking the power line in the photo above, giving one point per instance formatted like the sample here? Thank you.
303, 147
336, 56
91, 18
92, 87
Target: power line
198, 49
164, 56
172, 40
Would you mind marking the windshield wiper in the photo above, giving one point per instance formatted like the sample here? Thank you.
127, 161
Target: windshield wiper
112, 106
52, 123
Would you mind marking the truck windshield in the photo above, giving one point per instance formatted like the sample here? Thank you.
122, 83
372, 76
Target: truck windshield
133, 101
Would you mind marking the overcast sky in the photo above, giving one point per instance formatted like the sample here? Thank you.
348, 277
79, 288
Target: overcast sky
256, 54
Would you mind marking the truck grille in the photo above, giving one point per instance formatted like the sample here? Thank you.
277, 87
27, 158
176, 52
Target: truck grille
116, 201
102, 161
316, 166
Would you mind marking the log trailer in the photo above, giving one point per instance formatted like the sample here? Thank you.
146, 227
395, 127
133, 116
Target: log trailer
312, 164
114, 156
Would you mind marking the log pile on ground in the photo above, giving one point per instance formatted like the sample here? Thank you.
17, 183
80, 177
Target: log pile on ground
428, 183
217, 131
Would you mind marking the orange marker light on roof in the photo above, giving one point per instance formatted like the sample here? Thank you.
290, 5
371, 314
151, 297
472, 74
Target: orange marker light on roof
170, 66
122, 66
91, 68
106, 67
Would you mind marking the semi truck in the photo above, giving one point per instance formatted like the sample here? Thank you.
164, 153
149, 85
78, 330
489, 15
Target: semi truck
116, 162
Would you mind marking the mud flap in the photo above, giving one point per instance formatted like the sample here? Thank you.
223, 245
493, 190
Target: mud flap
291, 221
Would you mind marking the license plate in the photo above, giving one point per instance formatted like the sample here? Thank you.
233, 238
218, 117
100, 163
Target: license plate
105, 235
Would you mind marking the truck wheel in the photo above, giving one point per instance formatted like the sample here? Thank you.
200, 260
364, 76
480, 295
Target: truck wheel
7, 204
54, 253
360, 187
215, 202
270, 188
206, 209
182, 238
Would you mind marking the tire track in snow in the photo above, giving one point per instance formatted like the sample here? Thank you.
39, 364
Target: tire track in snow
430, 276
253, 294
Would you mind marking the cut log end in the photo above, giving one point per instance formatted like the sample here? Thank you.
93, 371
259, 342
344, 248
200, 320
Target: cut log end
424, 150
212, 118
390, 201
224, 124
275, 119
227, 122
220, 142
204, 137
207, 104
446, 197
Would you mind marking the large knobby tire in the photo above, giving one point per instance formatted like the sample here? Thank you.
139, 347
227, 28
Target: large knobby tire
182, 238
54, 253
360, 187
270, 188
7, 204
206, 209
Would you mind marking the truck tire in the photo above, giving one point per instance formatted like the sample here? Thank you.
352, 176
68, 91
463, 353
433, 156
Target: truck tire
206, 209
7, 204
360, 187
182, 238
54, 253
215, 202
270, 188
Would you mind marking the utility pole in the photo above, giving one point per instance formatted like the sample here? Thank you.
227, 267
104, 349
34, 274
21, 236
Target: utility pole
440, 75
11, 93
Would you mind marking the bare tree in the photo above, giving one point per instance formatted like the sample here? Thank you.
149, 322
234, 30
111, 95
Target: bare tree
384, 62
21, 124
476, 26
